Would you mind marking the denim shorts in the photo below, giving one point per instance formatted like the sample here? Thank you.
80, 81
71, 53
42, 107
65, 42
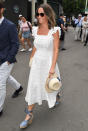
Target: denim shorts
26, 34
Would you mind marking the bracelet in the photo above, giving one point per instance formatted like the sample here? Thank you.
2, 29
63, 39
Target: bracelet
51, 73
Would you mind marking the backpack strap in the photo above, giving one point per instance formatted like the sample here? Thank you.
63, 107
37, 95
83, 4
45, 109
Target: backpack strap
29, 26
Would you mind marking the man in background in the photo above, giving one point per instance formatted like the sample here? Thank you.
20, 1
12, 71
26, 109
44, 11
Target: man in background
19, 27
8, 49
78, 23
60, 23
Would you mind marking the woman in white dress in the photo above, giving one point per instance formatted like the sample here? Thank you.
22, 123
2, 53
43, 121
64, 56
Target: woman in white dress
44, 54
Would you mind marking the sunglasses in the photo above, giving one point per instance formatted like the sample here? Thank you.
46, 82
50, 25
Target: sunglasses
40, 14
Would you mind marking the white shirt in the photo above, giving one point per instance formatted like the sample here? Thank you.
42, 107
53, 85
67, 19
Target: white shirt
78, 22
25, 27
1, 19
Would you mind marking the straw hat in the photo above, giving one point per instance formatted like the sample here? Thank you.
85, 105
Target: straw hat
53, 84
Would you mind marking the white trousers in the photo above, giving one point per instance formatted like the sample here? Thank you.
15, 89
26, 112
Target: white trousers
5, 71
14, 83
77, 33
84, 34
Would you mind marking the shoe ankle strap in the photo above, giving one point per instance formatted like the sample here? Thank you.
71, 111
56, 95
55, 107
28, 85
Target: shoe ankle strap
27, 111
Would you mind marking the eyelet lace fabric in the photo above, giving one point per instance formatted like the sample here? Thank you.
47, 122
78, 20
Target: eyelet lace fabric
40, 67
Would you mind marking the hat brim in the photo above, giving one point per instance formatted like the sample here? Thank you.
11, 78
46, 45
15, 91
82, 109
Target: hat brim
47, 87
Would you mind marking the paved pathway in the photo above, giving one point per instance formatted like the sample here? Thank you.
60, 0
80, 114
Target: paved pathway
72, 113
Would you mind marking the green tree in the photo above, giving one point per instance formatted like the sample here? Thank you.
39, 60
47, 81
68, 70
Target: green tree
73, 7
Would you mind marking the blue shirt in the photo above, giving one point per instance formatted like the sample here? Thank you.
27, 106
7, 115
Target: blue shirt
79, 23
59, 22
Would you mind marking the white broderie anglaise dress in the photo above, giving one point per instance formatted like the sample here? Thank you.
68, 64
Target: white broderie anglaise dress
39, 72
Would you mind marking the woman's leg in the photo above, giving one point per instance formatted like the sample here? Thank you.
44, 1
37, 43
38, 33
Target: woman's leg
28, 118
20, 36
30, 108
29, 43
22, 42
83, 34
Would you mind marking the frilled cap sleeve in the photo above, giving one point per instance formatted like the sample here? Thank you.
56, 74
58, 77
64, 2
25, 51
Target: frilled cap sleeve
55, 29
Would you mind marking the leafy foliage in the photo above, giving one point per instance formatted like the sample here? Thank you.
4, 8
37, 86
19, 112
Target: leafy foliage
73, 7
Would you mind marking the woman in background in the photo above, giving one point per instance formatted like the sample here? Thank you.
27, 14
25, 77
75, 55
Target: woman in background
26, 32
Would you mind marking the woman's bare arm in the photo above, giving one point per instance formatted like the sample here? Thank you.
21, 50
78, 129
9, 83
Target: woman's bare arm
55, 52
33, 52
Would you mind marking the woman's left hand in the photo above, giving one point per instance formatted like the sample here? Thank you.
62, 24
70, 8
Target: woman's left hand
51, 72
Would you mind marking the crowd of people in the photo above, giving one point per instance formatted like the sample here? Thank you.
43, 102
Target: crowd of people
81, 28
